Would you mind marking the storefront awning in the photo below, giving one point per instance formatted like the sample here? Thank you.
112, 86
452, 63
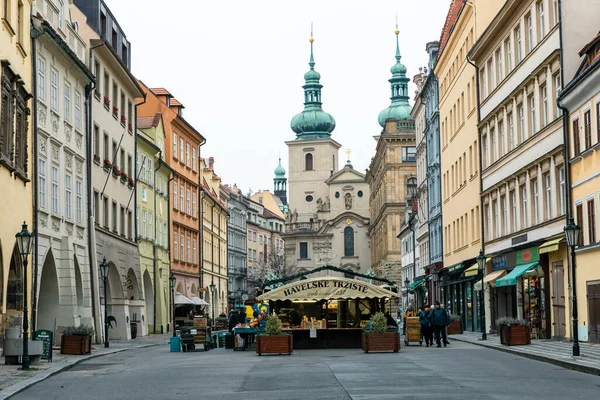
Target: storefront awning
198, 301
492, 276
181, 299
417, 282
327, 288
454, 268
473, 270
511, 279
550, 246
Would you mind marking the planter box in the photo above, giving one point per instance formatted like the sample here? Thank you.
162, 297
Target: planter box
75, 344
276, 344
455, 328
385, 341
515, 335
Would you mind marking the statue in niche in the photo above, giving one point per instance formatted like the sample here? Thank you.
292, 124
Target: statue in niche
320, 204
327, 204
295, 216
348, 200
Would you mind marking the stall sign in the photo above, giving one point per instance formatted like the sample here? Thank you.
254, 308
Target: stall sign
46, 337
313, 333
500, 262
527, 256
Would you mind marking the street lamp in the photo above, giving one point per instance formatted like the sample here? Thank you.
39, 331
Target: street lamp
572, 233
24, 241
406, 283
172, 280
104, 267
481, 265
212, 303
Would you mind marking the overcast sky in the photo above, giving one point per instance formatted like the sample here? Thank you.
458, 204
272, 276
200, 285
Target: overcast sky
238, 66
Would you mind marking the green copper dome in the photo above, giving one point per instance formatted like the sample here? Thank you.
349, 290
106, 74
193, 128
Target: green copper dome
280, 171
313, 123
399, 109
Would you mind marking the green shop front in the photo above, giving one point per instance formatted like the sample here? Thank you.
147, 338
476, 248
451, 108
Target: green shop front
519, 289
458, 293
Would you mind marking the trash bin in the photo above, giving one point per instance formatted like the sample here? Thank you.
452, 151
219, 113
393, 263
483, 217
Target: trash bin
228, 341
133, 329
175, 344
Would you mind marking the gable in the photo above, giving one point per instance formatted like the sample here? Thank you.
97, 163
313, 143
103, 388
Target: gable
346, 175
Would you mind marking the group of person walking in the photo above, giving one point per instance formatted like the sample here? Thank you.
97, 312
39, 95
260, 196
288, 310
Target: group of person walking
433, 324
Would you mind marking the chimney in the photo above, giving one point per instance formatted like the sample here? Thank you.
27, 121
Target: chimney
211, 162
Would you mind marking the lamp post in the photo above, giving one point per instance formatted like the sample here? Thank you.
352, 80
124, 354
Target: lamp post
406, 283
572, 233
172, 280
104, 267
212, 303
24, 241
481, 265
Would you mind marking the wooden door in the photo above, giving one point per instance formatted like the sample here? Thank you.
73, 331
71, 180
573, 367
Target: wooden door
557, 298
593, 298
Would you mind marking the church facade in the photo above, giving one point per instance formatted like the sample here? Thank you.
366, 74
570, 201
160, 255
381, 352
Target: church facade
328, 218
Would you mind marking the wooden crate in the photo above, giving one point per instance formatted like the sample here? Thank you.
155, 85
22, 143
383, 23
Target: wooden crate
515, 335
455, 328
75, 344
386, 341
274, 344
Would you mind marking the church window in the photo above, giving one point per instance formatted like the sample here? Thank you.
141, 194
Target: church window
308, 161
309, 198
348, 242
360, 193
337, 195
304, 250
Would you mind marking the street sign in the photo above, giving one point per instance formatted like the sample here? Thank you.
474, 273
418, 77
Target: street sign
244, 297
46, 337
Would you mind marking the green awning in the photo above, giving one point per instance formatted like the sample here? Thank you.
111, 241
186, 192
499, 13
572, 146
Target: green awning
418, 280
455, 267
511, 278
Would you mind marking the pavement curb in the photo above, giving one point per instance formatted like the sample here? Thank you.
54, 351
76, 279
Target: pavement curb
25, 384
561, 363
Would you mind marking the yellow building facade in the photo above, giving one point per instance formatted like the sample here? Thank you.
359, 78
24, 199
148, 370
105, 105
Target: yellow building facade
16, 144
213, 236
581, 99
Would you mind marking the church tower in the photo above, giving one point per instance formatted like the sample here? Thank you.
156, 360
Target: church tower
313, 155
280, 183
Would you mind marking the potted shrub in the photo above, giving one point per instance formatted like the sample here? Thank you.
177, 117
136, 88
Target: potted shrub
130, 182
376, 336
106, 102
272, 341
123, 176
455, 327
514, 332
107, 164
115, 112
76, 340
116, 170
97, 159
130, 127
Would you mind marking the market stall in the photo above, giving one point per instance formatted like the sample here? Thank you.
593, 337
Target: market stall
326, 312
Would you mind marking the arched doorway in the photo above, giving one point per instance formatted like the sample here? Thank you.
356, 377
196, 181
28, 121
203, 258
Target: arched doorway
116, 309
149, 301
78, 286
14, 286
48, 300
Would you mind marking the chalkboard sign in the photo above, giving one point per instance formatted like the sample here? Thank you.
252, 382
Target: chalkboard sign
46, 337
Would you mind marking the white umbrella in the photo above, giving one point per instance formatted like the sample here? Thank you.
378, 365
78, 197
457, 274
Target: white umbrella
198, 301
181, 299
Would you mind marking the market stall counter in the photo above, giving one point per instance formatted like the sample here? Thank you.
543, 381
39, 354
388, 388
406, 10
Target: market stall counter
326, 312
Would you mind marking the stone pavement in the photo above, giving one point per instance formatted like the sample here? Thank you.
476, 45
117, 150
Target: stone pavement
13, 380
551, 351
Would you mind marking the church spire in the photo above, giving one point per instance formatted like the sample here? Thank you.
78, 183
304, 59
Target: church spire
400, 108
313, 123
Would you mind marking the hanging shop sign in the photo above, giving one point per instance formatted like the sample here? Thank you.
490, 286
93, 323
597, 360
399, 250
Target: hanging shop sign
500, 262
328, 288
527, 256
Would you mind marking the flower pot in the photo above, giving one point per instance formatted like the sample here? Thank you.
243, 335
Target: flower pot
455, 328
385, 341
12, 333
274, 344
75, 344
515, 335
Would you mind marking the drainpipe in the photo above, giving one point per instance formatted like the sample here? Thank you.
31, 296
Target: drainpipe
155, 231
91, 217
484, 328
172, 176
34, 188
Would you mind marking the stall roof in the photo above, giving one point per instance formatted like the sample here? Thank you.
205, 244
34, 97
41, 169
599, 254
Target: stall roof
327, 288
181, 299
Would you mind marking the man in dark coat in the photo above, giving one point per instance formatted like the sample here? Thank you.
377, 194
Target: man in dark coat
440, 320
426, 328
233, 319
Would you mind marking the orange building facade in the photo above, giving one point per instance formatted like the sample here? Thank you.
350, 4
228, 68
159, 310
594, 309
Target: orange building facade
181, 151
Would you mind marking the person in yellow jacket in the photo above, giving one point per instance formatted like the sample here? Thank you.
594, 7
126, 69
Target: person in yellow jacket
409, 312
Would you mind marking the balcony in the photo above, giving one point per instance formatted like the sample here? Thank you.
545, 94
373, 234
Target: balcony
302, 227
